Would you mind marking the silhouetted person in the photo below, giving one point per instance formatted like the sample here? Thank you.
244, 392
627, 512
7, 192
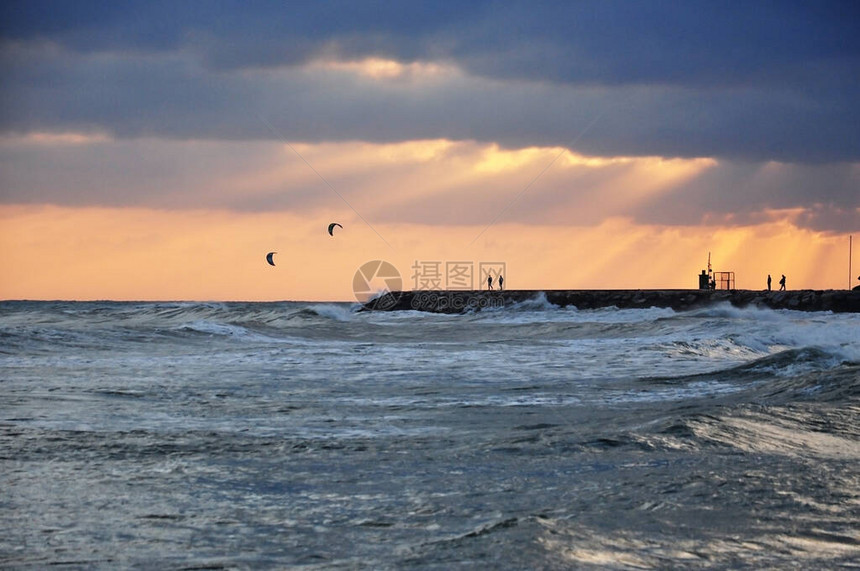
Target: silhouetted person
489, 282
501, 281
713, 283
782, 283
768, 282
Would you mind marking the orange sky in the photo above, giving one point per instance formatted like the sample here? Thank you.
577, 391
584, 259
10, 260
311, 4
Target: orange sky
49, 252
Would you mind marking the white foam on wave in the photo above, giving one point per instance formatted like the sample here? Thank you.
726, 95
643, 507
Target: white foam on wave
331, 311
838, 335
539, 309
765, 331
537, 303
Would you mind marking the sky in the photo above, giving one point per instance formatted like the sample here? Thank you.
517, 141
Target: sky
159, 150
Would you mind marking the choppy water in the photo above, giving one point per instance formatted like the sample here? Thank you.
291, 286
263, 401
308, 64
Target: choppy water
284, 435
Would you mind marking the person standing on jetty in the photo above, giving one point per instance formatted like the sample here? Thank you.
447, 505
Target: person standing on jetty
489, 281
501, 281
768, 282
782, 283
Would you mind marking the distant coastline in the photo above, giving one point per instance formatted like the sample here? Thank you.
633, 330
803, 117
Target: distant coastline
459, 301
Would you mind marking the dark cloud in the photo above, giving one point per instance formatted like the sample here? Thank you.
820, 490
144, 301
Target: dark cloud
174, 97
754, 80
610, 42
236, 34
683, 43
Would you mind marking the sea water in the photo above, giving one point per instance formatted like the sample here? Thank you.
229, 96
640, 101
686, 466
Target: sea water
307, 435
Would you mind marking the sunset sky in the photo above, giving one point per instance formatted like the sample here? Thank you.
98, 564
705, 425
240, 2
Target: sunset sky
159, 150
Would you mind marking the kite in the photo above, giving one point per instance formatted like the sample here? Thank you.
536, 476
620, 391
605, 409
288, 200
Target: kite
269, 258
331, 228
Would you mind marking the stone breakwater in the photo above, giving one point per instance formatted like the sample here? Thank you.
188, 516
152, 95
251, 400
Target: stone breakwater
459, 301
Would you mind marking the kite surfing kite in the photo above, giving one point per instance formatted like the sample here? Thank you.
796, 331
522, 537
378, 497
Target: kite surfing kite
331, 228
269, 258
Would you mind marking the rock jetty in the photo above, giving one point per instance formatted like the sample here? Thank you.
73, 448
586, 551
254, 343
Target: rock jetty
459, 301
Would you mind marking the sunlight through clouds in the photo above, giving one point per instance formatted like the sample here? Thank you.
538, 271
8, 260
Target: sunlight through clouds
387, 69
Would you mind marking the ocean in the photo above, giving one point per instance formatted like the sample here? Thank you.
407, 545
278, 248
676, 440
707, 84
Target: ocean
316, 436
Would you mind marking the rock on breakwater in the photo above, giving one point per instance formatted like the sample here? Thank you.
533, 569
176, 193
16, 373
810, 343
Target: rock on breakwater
458, 301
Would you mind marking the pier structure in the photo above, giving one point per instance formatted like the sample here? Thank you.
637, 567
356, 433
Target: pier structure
460, 301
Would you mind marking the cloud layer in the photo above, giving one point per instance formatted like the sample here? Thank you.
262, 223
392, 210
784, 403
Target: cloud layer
752, 81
